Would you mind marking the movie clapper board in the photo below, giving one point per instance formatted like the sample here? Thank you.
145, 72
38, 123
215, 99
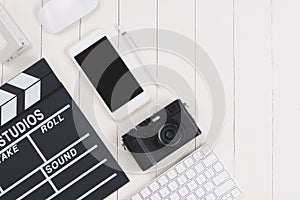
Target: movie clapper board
48, 149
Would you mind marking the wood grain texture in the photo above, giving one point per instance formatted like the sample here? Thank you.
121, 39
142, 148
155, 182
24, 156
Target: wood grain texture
137, 14
286, 100
215, 35
253, 111
254, 45
180, 19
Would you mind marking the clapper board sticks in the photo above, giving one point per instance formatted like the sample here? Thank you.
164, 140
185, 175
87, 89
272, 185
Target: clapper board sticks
48, 149
25, 90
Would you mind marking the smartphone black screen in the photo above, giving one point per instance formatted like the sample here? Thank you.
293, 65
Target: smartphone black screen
108, 74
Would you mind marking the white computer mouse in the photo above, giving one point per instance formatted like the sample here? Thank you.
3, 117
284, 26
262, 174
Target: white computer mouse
56, 15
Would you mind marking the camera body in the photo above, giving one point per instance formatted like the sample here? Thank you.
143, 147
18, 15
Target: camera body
161, 134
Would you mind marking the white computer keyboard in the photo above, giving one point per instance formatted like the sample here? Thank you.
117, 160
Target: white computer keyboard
199, 176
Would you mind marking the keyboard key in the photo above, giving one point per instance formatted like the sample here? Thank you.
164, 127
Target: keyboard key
171, 174
190, 174
211, 159
156, 197
220, 178
209, 186
192, 185
210, 197
164, 192
136, 197
199, 168
191, 197
189, 162
200, 192
226, 196
201, 179
206, 150
180, 168
198, 156
154, 186
173, 186
183, 191
236, 193
145, 192
209, 173
174, 196
162, 180
200, 176
182, 180
218, 167
224, 188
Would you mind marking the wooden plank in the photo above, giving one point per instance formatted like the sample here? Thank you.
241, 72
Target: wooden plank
180, 19
137, 14
105, 17
98, 19
215, 35
253, 98
1, 64
286, 43
55, 48
31, 28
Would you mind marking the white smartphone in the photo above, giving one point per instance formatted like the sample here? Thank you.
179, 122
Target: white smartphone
105, 70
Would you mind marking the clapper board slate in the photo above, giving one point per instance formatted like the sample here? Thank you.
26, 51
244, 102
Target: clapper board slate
48, 149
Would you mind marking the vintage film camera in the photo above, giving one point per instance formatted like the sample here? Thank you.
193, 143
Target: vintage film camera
161, 134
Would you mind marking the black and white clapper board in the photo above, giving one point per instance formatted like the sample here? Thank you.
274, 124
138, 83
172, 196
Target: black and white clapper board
48, 149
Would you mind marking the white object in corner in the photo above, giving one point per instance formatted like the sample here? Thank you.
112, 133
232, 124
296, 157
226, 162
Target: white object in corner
57, 15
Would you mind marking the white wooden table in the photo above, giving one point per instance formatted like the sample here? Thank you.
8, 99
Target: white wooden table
255, 46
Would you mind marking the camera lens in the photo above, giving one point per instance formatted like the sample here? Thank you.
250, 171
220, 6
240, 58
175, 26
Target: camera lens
169, 135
